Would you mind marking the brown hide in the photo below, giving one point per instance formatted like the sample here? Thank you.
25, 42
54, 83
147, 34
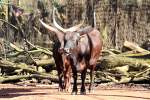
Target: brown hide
63, 68
84, 51
75, 48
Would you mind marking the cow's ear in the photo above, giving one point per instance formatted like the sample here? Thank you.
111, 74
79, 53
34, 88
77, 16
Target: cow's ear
78, 34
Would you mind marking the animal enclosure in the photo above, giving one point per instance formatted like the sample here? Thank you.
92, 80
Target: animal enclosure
26, 46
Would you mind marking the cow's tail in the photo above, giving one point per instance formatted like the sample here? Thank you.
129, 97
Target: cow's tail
94, 18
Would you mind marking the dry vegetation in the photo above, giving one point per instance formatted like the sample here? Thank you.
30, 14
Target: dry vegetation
26, 47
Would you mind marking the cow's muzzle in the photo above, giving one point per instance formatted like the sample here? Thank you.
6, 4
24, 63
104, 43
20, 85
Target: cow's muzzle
67, 51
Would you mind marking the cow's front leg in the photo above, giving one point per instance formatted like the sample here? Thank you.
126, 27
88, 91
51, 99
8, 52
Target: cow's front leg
67, 79
75, 90
83, 75
60, 76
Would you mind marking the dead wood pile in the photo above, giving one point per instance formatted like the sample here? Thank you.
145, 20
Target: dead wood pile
21, 64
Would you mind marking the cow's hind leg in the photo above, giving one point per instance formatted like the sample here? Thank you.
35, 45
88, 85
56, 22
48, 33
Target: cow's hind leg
83, 75
92, 74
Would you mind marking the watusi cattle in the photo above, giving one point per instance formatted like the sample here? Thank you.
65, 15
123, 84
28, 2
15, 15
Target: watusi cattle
77, 49
63, 68
83, 48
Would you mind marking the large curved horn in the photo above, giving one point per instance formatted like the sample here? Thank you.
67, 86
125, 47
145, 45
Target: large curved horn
76, 27
55, 23
72, 29
59, 34
50, 28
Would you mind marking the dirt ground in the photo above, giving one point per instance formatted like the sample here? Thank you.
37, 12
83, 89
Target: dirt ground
50, 92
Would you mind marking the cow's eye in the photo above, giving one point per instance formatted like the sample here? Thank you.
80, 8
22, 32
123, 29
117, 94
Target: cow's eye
61, 50
65, 41
77, 42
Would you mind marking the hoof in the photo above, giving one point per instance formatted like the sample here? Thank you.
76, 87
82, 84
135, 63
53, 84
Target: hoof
60, 90
91, 91
83, 93
67, 90
74, 93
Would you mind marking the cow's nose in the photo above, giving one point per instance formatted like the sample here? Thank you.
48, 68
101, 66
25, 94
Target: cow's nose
67, 50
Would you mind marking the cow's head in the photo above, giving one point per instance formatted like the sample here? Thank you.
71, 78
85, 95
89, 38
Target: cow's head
67, 37
71, 41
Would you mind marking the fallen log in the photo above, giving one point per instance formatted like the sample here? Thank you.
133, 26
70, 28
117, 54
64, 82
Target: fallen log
126, 77
124, 69
27, 68
20, 51
18, 77
144, 55
45, 62
135, 47
112, 61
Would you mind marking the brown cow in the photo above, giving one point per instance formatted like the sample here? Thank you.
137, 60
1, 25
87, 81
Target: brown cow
79, 49
83, 49
63, 69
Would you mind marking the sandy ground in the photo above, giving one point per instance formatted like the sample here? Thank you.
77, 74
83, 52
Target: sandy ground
50, 92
